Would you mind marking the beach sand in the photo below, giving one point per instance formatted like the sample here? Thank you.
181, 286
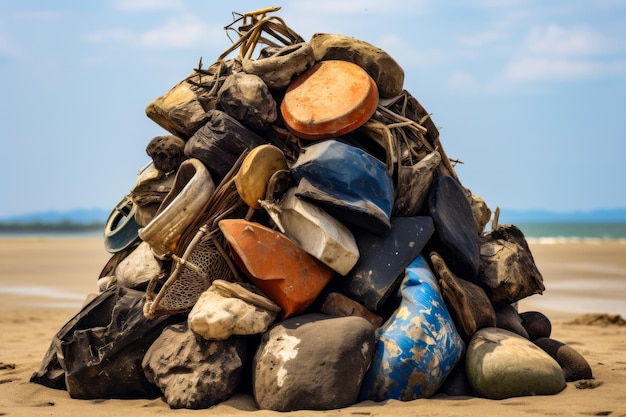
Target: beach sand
43, 282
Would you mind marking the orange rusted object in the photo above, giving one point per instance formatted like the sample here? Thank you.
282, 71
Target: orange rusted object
276, 265
332, 98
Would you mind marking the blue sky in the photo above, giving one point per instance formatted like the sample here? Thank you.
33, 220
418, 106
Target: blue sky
529, 95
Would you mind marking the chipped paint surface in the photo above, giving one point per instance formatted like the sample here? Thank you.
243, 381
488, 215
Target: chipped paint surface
418, 346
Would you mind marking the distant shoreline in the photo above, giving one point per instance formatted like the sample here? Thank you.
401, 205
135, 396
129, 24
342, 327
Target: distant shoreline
536, 232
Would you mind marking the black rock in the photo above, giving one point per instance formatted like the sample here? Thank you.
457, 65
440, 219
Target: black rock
574, 365
380, 268
536, 324
455, 237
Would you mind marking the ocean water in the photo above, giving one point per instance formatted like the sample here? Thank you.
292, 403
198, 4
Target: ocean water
592, 232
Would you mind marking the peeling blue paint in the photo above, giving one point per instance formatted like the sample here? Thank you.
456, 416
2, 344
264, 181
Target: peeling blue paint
418, 346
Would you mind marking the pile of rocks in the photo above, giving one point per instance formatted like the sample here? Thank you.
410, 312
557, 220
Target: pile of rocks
302, 236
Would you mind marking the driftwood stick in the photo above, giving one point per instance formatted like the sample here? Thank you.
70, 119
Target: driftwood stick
400, 118
445, 160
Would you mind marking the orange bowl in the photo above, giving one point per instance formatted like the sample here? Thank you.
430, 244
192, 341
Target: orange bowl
332, 98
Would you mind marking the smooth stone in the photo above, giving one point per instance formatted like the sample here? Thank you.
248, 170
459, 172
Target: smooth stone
455, 237
507, 318
536, 324
312, 362
501, 364
507, 268
193, 372
575, 366
229, 308
469, 306
138, 268
383, 259
418, 346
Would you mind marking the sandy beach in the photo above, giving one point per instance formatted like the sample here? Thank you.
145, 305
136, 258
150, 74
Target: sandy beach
44, 281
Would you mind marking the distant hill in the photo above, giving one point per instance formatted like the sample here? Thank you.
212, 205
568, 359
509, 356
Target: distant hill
79, 216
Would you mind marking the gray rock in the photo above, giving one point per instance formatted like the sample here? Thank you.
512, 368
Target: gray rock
312, 362
193, 372
501, 364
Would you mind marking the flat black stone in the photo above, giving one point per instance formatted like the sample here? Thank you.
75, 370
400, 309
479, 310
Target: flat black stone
455, 237
383, 259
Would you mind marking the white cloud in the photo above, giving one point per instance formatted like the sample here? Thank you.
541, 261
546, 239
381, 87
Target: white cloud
181, 32
556, 53
554, 39
147, 5
561, 69
462, 82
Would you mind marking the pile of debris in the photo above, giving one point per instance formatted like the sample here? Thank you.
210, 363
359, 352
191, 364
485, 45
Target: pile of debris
301, 235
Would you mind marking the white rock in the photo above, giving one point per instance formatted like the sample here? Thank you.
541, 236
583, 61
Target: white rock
227, 309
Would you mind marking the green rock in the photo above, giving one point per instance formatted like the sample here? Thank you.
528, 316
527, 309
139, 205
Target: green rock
501, 364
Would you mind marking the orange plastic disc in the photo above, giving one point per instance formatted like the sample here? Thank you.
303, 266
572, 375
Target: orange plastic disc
331, 99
